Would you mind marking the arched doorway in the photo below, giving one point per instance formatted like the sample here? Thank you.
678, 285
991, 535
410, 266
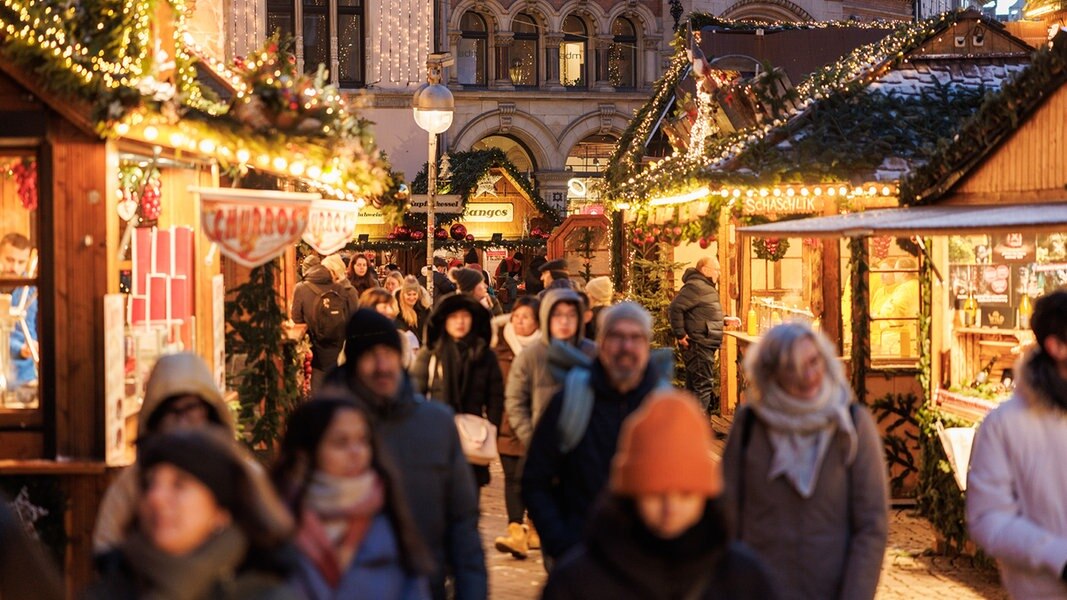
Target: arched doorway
516, 151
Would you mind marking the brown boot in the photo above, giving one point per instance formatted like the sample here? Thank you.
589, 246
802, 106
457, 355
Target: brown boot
515, 542
533, 541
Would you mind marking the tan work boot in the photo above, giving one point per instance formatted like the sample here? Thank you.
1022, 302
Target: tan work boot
515, 542
533, 541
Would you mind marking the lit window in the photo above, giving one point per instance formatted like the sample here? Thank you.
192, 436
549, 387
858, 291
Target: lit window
318, 19
572, 51
524, 64
622, 55
471, 57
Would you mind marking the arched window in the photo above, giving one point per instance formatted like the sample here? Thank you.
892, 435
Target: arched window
622, 56
471, 60
524, 51
311, 22
572, 52
515, 150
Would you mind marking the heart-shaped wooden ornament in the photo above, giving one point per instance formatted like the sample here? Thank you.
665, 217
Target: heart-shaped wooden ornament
127, 209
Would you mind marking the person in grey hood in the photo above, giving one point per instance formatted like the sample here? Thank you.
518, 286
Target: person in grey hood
538, 371
180, 394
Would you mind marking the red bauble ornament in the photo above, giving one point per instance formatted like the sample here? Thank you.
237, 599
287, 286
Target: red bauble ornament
656, 231
470, 237
151, 201
370, 256
440, 233
638, 231
458, 231
391, 236
403, 231
418, 235
704, 243
536, 232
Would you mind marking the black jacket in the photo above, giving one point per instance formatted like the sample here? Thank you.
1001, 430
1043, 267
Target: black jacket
696, 311
422, 440
560, 489
305, 300
620, 559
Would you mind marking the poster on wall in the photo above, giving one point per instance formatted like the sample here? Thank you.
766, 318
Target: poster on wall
252, 227
331, 224
1013, 247
115, 399
991, 284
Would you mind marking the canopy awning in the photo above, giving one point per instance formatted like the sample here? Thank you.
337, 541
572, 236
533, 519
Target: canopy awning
922, 220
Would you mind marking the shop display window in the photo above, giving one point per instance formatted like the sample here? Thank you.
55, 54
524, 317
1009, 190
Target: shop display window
781, 281
894, 301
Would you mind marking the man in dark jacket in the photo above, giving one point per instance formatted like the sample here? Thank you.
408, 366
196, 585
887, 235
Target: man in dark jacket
441, 284
324, 305
559, 485
422, 440
697, 321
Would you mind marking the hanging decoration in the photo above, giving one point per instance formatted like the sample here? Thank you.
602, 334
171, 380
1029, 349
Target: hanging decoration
487, 185
252, 227
772, 249
880, 247
24, 170
331, 223
140, 192
458, 231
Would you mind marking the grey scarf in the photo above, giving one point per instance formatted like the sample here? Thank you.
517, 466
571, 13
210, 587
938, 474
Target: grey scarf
801, 431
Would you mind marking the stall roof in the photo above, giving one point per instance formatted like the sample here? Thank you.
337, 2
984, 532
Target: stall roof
922, 220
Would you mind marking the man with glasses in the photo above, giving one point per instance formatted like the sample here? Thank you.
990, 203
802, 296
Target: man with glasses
569, 458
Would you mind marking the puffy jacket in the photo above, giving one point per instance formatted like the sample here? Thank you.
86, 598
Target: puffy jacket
696, 311
532, 382
376, 571
422, 440
1016, 489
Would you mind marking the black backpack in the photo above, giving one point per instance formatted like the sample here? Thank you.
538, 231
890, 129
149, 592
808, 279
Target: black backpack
329, 316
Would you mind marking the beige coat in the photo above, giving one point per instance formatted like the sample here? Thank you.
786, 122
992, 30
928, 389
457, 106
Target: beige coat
826, 547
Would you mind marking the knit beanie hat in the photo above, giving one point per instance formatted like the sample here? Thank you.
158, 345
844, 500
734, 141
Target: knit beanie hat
206, 455
623, 311
599, 290
467, 279
366, 329
665, 446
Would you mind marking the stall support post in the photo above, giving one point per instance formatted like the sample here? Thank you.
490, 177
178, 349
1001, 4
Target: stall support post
431, 189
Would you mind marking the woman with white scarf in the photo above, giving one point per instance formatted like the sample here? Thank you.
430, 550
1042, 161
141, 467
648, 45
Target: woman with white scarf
805, 473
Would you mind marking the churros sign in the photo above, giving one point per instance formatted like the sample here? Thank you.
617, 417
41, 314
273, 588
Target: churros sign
252, 227
330, 225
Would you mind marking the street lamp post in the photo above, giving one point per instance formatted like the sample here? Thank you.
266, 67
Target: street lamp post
433, 106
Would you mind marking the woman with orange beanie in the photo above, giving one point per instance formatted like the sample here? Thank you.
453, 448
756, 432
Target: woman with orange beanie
660, 532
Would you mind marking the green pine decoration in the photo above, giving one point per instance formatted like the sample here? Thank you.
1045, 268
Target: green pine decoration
268, 385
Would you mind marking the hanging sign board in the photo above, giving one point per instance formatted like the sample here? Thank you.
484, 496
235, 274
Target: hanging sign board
489, 212
368, 215
331, 224
251, 227
781, 205
444, 203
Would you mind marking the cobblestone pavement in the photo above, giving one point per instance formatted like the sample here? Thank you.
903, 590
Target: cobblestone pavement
910, 570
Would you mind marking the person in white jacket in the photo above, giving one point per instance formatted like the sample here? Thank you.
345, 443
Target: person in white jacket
1017, 484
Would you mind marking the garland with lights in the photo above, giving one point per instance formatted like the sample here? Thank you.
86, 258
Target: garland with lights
997, 118
449, 245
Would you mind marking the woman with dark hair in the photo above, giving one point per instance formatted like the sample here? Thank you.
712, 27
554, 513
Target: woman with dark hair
354, 532
520, 329
201, 532
456, 365
360, 274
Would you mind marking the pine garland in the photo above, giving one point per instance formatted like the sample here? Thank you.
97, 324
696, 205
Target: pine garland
861, 319
268, 385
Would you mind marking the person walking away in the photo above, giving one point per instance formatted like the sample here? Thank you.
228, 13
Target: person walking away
471, 282
533, 284
457, 367
601, 293
567, 466
1016, 488
422, 440
660, 532
180, 394
538, 371
805, 471
200, 534
324, 305
360, 274
521, 331
413, 314
697, 321
355, 534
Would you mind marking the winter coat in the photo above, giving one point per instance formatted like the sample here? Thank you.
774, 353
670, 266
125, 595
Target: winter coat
131, 573
422, 440
621, 560
696, 311
421, 316
375, 573
559, 489
173, 375
1016, 489
829, 546
362, 284
305, 302
507, 441
532, 381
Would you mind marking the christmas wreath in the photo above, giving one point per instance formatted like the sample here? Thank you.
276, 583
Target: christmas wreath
772, 249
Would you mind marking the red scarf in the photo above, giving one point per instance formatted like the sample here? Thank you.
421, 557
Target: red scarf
330, 558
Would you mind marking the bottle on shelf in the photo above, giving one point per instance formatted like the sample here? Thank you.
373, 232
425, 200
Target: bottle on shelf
752, 322
1026, 310
776, 319
970, 309
983, 375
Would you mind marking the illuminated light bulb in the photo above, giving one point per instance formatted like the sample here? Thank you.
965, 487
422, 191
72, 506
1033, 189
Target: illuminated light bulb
279, 163
176, 139
749, 193
842, 190
207, 146
804, 191
763, 192
360, 203
122, 128
296, 169
243, 155
737, 193
872, 190
314, 171
831, 191
263, 160
777, 192
885, 190
151, 133
790, 192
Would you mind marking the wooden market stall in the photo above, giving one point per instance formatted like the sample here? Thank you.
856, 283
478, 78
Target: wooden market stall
101, 154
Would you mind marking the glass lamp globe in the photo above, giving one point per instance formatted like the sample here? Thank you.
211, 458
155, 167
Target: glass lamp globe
433, 106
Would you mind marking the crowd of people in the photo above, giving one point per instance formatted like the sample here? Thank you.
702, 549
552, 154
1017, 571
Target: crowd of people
609, 471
